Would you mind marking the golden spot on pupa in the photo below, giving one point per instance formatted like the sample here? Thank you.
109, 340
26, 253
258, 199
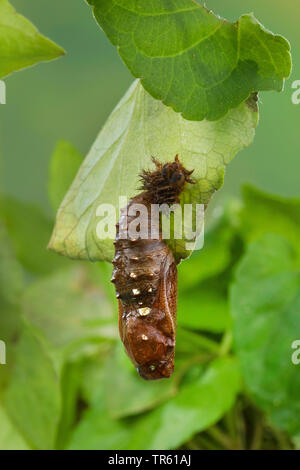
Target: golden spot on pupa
144, 311
133, 275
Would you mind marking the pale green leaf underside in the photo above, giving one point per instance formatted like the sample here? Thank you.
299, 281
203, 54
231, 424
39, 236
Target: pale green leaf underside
21, 45
195, 62
139, 127
64, 165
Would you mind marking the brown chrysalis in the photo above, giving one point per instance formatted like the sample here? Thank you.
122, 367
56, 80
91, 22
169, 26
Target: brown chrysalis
145, 277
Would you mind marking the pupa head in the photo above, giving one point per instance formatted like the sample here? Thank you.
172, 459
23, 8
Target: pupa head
166, 183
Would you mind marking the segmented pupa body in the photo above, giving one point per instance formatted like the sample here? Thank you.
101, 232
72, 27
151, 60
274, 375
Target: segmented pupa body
145, 277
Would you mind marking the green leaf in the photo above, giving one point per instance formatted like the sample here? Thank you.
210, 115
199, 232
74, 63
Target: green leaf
10, 439
11, 287
296, 441
93, 377
199, 64
138, 128
69, 309
21, 45
192, 343
203, 309
29, 230
215, 256
126, 392
63, 168
263, 213
104, 272
32, 398
197, 406
265, 304
98, 431
70, 384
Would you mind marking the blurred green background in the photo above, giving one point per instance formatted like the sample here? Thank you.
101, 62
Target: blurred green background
71, 98
68, 382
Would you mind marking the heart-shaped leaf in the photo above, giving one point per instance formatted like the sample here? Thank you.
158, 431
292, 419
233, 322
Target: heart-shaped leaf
198, 63
139, 127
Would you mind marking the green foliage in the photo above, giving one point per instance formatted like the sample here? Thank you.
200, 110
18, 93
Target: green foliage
21, 45
192, 60
256, 220
265, 308
71, 378
32, 397
214, 257
29, 230
135, 131
203, 308
10, 439
126, 393
69, 308
69, 384
11, 286
195, 407
98, 431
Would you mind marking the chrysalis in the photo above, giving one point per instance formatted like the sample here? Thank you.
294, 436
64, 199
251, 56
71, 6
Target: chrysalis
145, 277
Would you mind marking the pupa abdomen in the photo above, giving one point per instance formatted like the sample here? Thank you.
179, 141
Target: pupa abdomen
145, 277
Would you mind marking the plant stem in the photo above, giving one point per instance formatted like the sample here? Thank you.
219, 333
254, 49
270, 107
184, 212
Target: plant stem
257, 436
226, 343
198, 359
221, 437
208, 444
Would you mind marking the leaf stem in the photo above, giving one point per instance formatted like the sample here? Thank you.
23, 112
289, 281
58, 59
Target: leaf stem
226, 343
216, 433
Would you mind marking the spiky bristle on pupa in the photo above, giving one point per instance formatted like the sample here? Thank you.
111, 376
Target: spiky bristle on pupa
165, 184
